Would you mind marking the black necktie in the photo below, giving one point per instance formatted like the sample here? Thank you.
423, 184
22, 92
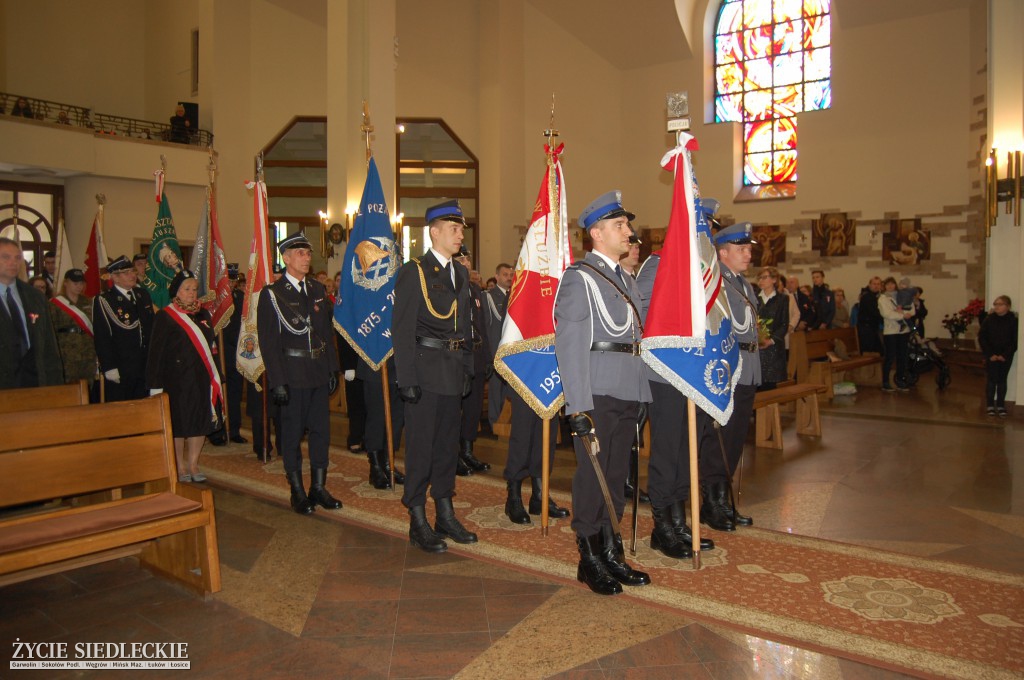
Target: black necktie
449, 274
618, 272
302, 287
19, 323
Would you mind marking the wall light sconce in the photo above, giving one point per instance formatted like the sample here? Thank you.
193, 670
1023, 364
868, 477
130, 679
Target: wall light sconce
873, 235
1006, 190
803, 240
350, 220
324, 221
396, 224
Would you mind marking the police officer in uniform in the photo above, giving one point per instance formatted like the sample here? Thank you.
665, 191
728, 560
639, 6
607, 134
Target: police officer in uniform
122, 323
496, 303
668, 473
295, 335
432, 332
718, 509
597, 336
472, 404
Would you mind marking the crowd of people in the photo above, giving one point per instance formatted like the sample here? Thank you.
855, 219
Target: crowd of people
447, 325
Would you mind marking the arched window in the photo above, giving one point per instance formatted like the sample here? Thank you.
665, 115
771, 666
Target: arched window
773, 60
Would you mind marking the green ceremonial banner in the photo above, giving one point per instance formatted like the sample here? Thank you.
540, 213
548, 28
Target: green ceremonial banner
164, 256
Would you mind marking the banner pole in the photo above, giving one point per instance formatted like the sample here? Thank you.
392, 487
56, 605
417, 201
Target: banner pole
387, 422
266, 422
224, 386
691, 419
545, 476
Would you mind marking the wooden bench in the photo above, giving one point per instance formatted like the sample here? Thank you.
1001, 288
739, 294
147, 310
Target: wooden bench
768, 422
809, 352
34, 398
112, 466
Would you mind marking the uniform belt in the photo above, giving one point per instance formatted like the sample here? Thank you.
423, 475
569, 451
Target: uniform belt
625, 347
315, 353
452, 345
748, 346
70, 329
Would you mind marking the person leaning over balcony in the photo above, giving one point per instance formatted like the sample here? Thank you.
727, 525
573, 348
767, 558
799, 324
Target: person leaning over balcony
181, 126
22, 108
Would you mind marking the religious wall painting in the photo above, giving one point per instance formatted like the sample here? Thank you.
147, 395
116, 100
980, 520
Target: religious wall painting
833, 234
770, 249
906, 243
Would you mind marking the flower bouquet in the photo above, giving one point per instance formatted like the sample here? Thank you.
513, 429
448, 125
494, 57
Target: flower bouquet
958, 322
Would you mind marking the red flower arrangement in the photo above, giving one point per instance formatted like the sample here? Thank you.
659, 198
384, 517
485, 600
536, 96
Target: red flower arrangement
958, 322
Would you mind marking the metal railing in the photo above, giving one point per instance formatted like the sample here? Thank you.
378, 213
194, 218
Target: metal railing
100, 123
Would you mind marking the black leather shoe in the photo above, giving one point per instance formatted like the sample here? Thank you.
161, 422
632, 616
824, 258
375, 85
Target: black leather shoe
239, 439
299, 500
554, 511
614, 558
217, 440
471, 461
678, 513
378, 478
514, 503
592, 570
263, 457
461, 469
716, 510
420, 533
318, 493
741, 520
447, 525
664, 538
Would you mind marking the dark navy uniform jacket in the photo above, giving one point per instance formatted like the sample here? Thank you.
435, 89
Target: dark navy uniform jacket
288, 321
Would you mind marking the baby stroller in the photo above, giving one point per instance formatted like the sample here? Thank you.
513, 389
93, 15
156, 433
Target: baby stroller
924, 356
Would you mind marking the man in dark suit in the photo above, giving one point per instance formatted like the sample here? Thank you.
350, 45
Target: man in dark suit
296, 337
431, 328
472, 403
496, 303
122, 319
597, 342
29, 356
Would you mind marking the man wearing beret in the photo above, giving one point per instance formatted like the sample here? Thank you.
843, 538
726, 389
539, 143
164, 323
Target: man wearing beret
718, 509
297, 341
122, 323
432, 334
597, 341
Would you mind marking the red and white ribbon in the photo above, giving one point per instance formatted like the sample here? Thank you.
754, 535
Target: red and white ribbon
202, 349
77, 315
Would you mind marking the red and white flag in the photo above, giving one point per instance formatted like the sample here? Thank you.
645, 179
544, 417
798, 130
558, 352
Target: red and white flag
210, 266
248, 358
95, 257
526, 354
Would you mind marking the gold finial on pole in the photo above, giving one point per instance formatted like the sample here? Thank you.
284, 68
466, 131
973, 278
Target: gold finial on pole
259, 167
551, 133
212, 167
101, 199
366, 128
163, 163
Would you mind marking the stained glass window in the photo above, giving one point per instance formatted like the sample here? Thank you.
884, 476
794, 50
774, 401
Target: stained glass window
773, 60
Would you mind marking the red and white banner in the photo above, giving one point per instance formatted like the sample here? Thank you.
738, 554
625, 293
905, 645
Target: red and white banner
210, 266
95, 257
247, 357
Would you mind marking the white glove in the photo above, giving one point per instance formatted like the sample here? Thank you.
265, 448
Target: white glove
155, 391
350, 375
113, 375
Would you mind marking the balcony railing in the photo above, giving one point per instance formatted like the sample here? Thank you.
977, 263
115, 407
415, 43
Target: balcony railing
101, 123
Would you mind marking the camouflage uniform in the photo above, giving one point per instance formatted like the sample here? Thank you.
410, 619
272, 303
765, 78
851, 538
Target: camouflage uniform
77, 349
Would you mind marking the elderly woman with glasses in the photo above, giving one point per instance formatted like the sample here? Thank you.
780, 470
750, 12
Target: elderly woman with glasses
773, 324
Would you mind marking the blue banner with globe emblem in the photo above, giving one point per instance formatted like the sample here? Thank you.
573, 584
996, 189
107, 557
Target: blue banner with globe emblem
366, 295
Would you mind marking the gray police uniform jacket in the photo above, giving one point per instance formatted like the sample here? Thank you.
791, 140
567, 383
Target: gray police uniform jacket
495, 307
645, 284
287, 320
743, 302
590, 309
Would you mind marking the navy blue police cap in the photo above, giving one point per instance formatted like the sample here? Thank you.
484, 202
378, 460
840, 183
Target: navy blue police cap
604, 207
450, 211
296, 240
739, 234
118, 265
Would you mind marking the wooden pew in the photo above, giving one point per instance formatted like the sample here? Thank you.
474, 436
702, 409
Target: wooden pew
768, 422
809, 356
120, 451
35, 398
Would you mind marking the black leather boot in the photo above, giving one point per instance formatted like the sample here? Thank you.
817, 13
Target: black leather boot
628, 488
420, 533
378, 478
738, 519
385, 464
614, 558
514, 503
553, 510
300, 502
471, 461
318, 493
716, 510
664, 538
461, 469
682, 529
447, 525
592, 569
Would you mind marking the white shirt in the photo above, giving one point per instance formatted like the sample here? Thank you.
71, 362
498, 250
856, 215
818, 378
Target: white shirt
295, 282
445, 261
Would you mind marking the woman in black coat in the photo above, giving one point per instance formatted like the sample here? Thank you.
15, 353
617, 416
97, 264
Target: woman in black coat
773, 322
181, 363
998, 341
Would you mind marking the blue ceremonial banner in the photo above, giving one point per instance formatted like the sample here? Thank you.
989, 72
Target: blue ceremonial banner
705, 372
366, 295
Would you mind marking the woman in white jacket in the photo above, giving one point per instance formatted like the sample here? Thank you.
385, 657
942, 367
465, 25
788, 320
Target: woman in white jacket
895, 334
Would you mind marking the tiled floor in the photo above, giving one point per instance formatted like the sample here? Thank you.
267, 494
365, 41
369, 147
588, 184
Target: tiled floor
923, 473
